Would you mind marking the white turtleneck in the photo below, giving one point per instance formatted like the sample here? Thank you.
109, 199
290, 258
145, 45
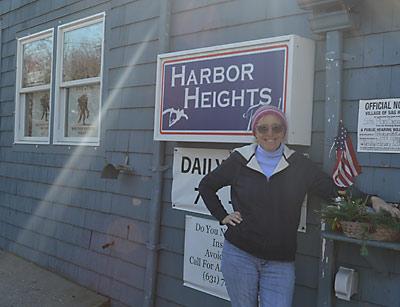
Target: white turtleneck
268, 160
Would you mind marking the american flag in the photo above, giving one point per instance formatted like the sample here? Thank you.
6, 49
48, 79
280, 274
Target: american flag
347, 167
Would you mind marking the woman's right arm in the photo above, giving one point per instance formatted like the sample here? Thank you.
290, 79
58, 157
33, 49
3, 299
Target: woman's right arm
223, 175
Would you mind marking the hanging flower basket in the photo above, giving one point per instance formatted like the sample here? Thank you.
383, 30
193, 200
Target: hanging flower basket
355, 230
356, 220
384, 233
366, 231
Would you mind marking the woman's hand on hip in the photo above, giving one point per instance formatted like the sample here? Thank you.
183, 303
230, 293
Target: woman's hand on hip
233, 219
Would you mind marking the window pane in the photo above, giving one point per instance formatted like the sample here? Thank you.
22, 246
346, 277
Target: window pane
82, 52
37, 110
36, 58
82, 111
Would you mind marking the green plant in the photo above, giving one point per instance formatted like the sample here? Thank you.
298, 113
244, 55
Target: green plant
344, 209
369, 225
349, 210
383, 218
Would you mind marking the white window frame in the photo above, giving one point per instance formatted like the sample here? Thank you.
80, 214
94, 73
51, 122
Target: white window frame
61, 86
19, 130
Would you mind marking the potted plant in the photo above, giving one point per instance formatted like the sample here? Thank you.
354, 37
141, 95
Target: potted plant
356, 220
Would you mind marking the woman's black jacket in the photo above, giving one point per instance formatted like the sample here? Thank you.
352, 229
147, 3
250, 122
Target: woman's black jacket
270, 208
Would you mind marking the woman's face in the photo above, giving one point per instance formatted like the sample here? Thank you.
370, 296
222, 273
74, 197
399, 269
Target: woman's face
270, 132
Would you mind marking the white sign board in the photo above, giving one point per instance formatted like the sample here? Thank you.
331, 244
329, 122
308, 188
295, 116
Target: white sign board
210, 94
190, 166
204, 239
379, 126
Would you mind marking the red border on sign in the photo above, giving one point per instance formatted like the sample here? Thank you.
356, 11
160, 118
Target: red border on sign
247, 133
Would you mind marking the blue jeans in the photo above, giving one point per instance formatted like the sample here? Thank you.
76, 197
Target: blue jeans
249, 279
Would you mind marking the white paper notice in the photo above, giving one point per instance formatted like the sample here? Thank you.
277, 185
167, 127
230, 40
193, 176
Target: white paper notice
379, 126
204, 239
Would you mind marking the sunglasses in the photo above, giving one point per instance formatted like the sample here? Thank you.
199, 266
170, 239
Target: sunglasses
275, 129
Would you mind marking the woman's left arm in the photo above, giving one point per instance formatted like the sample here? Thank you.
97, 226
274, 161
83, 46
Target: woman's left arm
323, 185
379, 204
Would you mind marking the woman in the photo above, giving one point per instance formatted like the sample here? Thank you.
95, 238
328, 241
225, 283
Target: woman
268, 184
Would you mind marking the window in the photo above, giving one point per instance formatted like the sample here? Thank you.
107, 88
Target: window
78, 81
33, 88
77, 86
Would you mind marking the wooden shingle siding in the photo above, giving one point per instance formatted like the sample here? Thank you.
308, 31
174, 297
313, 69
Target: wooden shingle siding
81, 212
133, 12
55, 209
245, 32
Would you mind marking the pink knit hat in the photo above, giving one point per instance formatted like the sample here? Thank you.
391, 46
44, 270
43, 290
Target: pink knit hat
265, 110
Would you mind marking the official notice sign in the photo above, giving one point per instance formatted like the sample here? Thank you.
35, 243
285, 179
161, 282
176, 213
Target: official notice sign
379, 126
210, 94
190, 166
204, 240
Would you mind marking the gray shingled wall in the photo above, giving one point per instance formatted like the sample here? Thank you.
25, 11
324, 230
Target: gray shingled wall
56, 210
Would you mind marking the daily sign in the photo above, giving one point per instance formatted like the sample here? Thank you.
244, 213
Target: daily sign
210, 94
189, 167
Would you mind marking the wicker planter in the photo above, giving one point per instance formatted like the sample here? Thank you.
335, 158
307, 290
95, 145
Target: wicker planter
359, 230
